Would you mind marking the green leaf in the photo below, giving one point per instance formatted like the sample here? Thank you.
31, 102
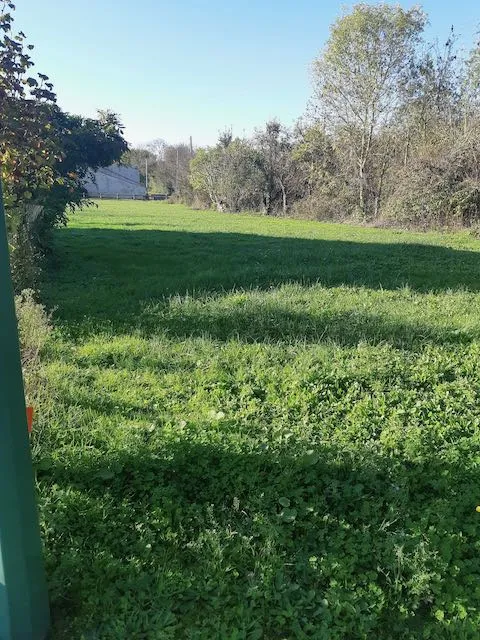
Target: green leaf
310, 458
288, 515
45, 464
285, 502
105, 474
256, 634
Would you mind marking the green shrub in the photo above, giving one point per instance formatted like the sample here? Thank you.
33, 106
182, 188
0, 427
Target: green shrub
331, 202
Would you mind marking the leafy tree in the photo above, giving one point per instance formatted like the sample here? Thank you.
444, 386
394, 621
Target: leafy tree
281, 177
323, 192
229, 175
206, 175
315, 153
86, 144
28, 150
174, 168
44, 153
359, 78
432, 96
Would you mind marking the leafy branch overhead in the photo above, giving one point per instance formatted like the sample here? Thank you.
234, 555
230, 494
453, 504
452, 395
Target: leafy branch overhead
45, 153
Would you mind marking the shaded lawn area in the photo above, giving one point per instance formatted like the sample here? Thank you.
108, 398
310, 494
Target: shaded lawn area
184, 254
256, 428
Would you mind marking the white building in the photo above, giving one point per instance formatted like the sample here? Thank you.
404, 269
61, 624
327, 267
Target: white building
116, 181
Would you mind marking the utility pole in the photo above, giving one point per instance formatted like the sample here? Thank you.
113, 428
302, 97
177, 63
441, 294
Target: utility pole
191, 147
24, 613
146, 175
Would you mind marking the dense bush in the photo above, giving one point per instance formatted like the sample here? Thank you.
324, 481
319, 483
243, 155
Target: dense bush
441, 186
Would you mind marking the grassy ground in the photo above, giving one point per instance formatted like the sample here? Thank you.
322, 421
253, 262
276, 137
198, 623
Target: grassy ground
260, 428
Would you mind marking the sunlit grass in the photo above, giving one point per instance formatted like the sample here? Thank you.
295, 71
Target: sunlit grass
259, 428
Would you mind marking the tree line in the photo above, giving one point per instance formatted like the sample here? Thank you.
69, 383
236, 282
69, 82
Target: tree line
391, 134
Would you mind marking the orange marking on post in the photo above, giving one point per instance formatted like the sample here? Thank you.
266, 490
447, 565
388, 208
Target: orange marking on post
29, 419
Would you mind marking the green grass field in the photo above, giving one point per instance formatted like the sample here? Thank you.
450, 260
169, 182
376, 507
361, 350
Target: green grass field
260, 428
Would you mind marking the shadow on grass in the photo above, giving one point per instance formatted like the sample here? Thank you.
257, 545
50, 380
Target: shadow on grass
274, 323
111, 275
216, 541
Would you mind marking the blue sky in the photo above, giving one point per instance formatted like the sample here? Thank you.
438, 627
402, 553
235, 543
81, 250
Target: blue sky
186, 67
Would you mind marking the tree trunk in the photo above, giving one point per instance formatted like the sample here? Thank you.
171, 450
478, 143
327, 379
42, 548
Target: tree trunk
407, 150
378, 197
364, 155
361, 191
266, 204
284, 198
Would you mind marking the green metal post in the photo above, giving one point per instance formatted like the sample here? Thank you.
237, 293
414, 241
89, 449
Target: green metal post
24, 613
